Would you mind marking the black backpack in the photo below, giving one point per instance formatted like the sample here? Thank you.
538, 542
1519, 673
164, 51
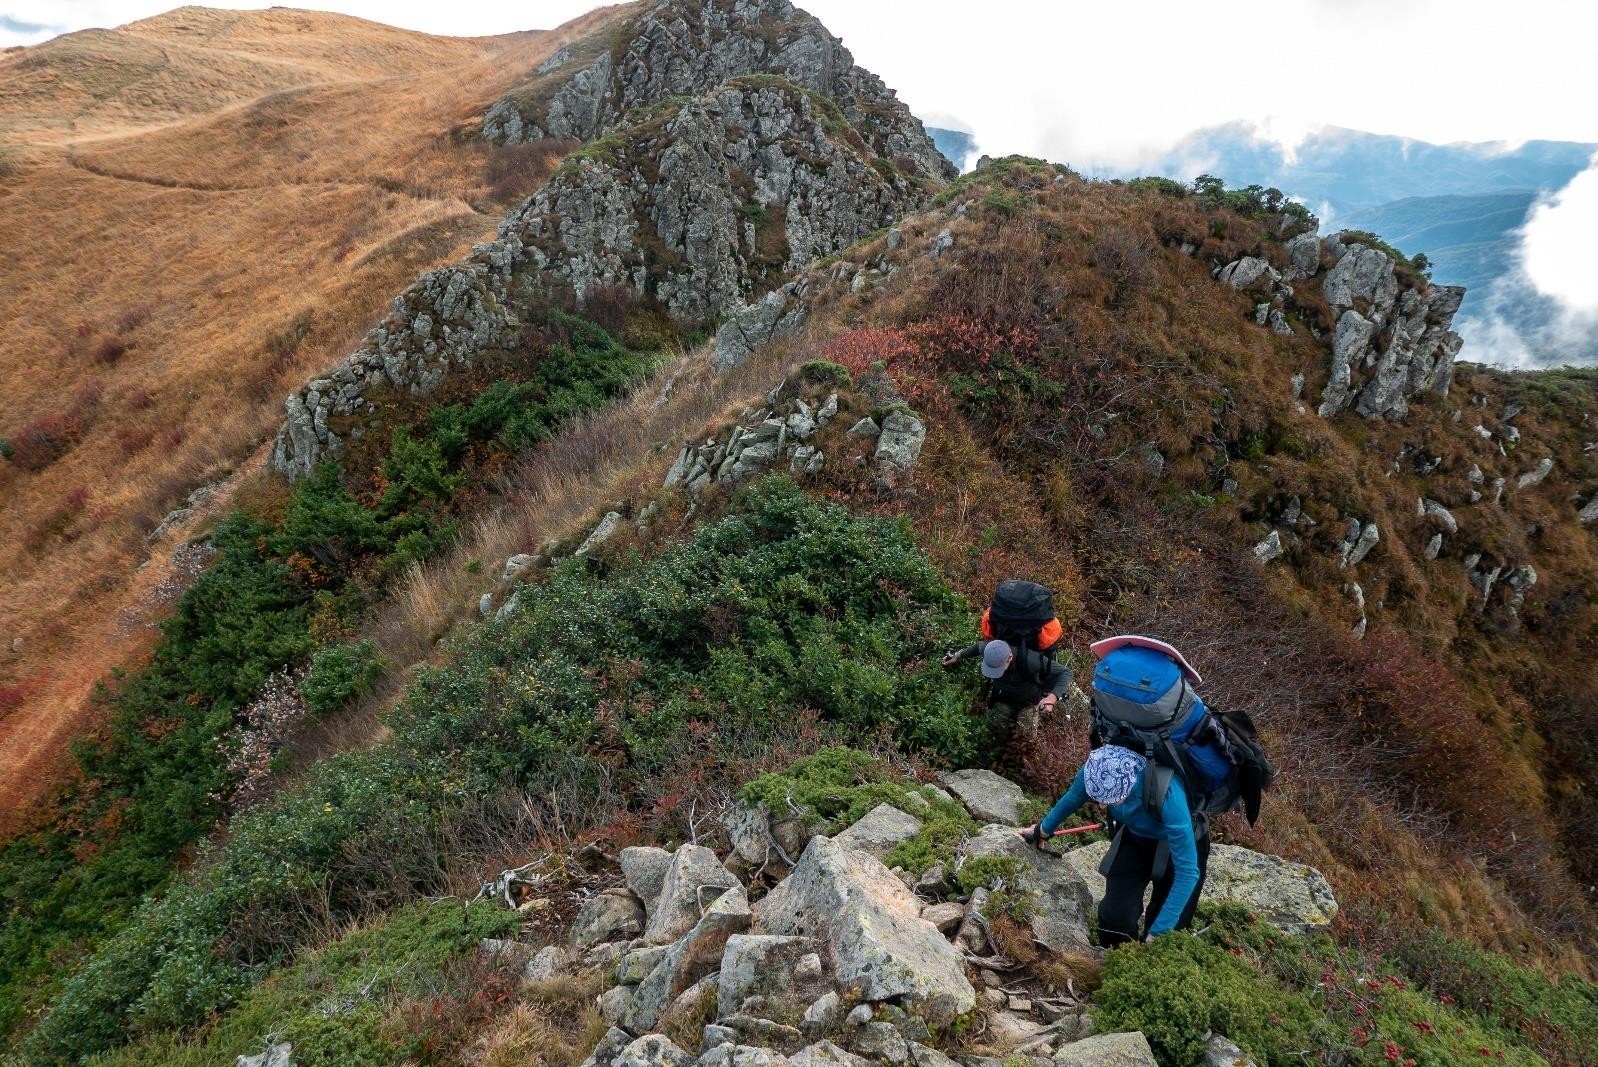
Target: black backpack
1020, 614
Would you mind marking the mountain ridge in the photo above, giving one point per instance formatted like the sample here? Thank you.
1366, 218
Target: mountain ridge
609, 539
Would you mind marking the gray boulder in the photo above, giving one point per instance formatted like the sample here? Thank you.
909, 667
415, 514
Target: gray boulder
278, 1055
899, 445
760, 841
644, 868
987, 796
612, 1004
1589, 513
1220, 1052
879, 831
600, 534
734, 1055
1293, 897
637, 964
1536, 475
1108, 1050
866, 427
1062, 897
609, 1048
1244, 272
691, 957
784, 973
607, 916
1271, 548
1440, 515
879, 945
653, 1050
693, 879
826, 1054
1304, 254
548, 962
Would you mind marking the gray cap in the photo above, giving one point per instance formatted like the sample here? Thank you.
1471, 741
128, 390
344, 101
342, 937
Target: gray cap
995, 658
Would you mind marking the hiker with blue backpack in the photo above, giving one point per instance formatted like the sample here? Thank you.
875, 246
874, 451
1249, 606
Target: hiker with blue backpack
1162, 764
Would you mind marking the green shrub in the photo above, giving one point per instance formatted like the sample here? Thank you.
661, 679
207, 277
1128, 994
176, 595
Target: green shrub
1159, 185
944, 825
785, 604
825, 372
332, 1003
159, 774
1177, 988
338, 673
831, 789
989, 871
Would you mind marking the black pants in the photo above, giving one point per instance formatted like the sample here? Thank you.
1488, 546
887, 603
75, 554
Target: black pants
1130, 874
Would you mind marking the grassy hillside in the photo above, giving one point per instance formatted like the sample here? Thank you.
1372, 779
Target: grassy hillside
202, 210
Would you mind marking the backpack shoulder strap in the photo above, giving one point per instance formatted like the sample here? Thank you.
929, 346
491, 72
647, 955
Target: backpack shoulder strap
1156, 786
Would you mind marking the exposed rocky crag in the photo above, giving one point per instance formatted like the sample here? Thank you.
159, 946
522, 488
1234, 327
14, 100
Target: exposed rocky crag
846, 961
708, 203
687, 47
1392, 338
702, 204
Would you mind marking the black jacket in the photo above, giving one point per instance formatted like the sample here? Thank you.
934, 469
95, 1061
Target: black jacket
1031, 675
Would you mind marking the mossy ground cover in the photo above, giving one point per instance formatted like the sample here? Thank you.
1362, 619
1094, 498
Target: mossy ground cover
785, 620
1285, 999
342, 1005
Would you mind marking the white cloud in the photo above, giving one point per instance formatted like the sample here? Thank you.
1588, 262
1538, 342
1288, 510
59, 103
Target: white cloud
1559, 244
1544, 311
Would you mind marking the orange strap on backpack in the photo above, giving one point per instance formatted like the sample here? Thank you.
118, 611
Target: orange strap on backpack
1048, 636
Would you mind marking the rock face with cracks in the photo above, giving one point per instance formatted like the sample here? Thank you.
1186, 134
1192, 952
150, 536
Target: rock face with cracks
876, 940
687, 47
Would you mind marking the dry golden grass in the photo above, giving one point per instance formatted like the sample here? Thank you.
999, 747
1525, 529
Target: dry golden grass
210, 207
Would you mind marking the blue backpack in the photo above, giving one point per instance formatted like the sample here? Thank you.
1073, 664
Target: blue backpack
1142, 701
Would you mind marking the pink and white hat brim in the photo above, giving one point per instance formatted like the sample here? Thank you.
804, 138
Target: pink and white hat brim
1100, 649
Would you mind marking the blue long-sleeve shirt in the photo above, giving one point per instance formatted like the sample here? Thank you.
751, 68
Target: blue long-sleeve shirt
1173, 824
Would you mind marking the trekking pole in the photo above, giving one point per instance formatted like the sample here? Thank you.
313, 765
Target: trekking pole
1089, 828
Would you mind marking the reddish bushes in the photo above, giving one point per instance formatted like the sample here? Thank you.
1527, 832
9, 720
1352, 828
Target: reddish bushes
56, 521
110, 351
859, 351
45, 440
511, 172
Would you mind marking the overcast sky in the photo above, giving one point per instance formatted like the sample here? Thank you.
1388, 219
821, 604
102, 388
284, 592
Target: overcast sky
1087, 82
1093, 83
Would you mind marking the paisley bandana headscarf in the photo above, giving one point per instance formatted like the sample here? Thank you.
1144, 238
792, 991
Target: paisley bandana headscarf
1111, 772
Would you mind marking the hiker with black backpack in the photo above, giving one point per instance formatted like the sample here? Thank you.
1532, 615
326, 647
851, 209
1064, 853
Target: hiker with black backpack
1162, 763
1020, 636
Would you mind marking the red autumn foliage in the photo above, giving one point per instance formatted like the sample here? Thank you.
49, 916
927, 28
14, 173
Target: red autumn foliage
45, 440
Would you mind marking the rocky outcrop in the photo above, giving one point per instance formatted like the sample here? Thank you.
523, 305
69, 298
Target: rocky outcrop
705, 202
704, 205
688, 47
1392, 342
1291, 896
877, 941
841, 964
758, 443
1391, 338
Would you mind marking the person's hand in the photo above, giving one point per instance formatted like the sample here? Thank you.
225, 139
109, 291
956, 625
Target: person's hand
1033, 835
951, 658
1047, 704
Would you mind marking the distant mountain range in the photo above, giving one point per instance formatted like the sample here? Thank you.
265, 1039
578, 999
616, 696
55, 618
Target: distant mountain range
1461, 204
